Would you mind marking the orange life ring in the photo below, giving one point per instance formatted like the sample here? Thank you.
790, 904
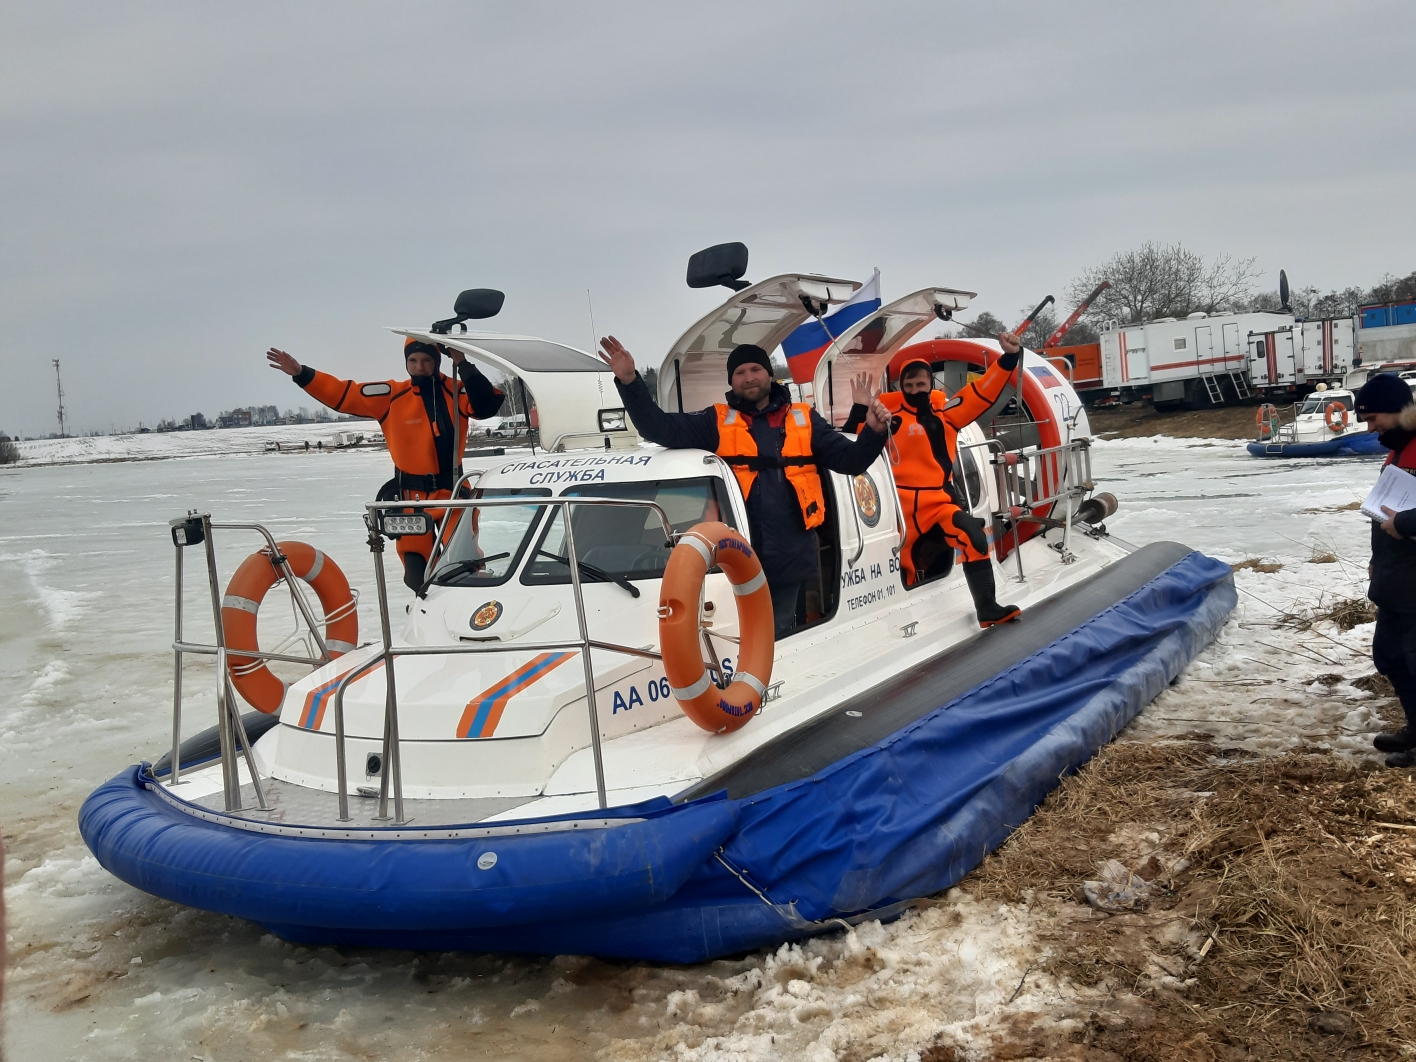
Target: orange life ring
715, 710
257, 574
1336, 424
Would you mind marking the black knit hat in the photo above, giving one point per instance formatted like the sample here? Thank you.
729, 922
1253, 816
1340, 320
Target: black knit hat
745, 354
417, 346
1383, 393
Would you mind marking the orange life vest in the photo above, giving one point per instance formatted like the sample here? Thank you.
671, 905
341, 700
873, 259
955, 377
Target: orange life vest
738, 448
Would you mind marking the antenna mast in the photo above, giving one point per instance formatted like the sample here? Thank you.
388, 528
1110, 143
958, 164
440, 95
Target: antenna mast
58, 380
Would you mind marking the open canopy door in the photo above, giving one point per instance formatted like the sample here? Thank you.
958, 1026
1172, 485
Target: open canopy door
695, 372
569, 388
869, 343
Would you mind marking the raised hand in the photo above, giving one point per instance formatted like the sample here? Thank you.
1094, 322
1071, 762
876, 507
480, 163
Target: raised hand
861, 391
620, 361
877, 417
284, 362
1010, 342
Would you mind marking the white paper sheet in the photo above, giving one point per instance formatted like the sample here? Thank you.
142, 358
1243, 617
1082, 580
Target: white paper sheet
1395, 489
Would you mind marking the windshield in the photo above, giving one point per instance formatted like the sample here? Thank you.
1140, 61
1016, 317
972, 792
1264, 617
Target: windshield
625, 542
487, 542
1319, 402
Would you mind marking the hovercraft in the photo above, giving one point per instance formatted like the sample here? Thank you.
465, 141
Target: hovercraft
584, 740
1324, 425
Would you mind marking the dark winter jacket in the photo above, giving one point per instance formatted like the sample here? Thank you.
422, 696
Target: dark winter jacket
775, 524
1394, 559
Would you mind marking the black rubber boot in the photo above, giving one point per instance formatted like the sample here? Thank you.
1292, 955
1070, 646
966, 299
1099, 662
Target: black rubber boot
979, 575
1402, 759
1396, 740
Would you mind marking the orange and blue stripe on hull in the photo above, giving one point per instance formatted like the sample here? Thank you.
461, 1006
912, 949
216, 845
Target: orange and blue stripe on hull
322, 696
484, 711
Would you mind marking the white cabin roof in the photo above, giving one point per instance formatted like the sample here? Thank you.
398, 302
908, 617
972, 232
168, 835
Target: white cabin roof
567, 386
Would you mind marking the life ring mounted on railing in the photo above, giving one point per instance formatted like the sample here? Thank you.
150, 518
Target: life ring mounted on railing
699, 549
1336, 416
248, 587
1267, 420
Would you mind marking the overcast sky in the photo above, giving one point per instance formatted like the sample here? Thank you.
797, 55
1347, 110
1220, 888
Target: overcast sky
187, 184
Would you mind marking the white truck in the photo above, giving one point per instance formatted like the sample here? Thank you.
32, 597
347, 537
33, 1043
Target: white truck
1210, 359
1295, 357
1198, 361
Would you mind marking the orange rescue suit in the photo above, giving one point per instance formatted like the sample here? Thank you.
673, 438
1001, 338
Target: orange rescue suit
399, 408
927, 497
738, 449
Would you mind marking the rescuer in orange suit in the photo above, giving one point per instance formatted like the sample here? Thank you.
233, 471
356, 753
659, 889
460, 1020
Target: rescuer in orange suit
413, 413
924, 450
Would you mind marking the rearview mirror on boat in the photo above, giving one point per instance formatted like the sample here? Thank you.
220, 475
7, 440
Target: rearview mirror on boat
474, 304
399, 525
723, 263
477, 304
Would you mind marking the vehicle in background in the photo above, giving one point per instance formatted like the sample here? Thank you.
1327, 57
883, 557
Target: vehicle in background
1387, 333
1294, 359
507, 427
1323, 425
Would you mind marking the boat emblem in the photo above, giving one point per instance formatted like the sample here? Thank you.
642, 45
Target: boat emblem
486, 861
867, 499
486, 615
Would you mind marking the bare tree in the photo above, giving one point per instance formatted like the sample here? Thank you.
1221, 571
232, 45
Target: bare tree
1164, 281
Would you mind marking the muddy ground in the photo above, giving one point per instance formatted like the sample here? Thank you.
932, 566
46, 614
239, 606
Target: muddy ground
1273, 913
1138, 419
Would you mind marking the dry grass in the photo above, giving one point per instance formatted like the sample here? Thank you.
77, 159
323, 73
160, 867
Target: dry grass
1346, 612
1322, 557
1259, 565
1291, 934
1351, 506
1374, 683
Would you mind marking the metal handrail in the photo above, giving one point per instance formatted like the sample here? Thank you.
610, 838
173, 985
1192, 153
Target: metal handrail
231, 731
391, 774
988, 444
1064, 473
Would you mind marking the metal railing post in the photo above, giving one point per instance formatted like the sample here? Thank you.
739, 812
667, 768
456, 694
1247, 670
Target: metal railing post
392, 773
585, 656
230, 776
176, 774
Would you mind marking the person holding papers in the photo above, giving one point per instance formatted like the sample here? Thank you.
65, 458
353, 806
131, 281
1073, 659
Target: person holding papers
1385, 405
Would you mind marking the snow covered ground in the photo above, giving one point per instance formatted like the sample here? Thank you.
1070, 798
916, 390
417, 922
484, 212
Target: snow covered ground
101, 971
172, 445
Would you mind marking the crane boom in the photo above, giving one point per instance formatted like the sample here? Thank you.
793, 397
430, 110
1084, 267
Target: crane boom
1055, 339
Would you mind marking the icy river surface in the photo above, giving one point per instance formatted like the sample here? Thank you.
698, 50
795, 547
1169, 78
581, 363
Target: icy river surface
98, 970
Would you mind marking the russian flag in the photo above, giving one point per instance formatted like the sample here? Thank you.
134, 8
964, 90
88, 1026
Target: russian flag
805, 346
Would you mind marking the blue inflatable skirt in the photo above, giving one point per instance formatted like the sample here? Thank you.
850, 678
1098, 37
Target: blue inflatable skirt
891, 796
1357, 445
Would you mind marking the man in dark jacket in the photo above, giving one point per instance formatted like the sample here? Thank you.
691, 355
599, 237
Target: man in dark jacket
1385, 404
773, 447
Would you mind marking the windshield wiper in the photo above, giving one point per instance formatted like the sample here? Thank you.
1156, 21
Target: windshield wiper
462, 567
594, 572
